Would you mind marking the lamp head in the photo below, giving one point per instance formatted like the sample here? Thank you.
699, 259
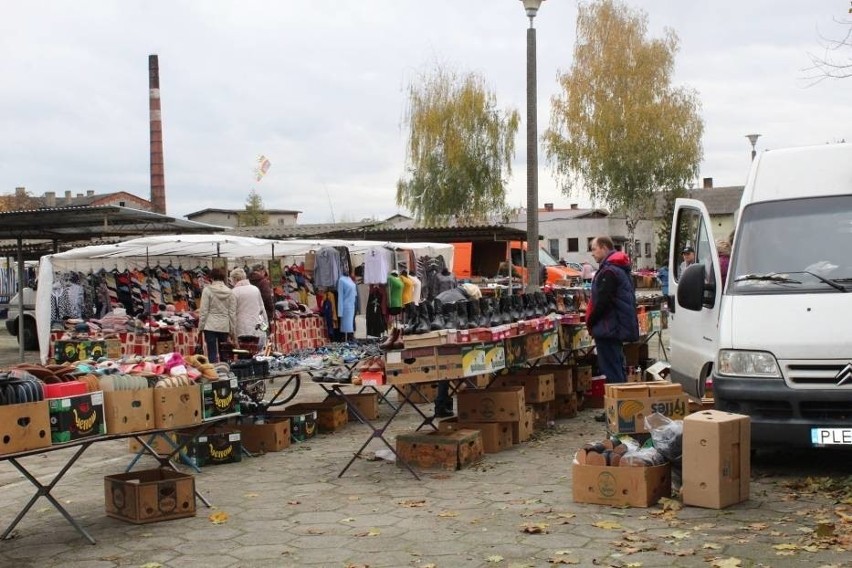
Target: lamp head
752, 138
531, 6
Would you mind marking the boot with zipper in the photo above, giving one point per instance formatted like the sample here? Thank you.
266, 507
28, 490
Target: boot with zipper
437, 321
451, 319
473, 314
423, 323
461, 312
485, 311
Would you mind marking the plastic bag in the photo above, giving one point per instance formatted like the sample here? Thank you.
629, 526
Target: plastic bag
667, 435
643, 457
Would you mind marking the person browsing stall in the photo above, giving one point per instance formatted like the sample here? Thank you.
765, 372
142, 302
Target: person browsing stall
252, 320
218, 314
611, 312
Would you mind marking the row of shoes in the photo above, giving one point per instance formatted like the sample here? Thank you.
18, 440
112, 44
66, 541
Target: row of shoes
375, 364
333, 375
472, 313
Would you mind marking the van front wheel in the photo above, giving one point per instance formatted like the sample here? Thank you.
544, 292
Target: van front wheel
29, 335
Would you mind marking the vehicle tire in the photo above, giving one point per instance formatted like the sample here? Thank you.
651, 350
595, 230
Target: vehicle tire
29, 335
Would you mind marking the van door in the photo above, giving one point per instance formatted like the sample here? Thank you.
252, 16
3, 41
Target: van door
693, 334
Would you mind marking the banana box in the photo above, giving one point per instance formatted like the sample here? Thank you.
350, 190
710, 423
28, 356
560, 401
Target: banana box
628, 404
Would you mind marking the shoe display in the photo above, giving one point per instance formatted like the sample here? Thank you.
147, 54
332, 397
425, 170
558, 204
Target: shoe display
437, 322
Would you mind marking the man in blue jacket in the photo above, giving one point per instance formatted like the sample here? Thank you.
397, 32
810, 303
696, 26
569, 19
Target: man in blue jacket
611, 312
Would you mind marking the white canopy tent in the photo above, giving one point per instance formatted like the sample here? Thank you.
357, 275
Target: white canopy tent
190, 251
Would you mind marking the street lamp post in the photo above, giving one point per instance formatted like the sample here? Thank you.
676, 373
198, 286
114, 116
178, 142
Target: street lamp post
753, 139
531, 7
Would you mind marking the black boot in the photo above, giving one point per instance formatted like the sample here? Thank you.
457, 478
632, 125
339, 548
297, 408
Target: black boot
461, 312
451, 319
505, 309
437, 321
515, 308
551, 302
485, 312
540, 304
410, 314
423, 320
529, 306
473, 314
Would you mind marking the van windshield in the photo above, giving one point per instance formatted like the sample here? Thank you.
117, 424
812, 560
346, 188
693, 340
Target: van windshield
793, 246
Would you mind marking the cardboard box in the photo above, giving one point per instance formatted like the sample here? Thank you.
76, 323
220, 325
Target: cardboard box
177, 407
440, 450
483, 358
331, 413
429, 339
544, 415
496, 436
492, 405
148, 496
449, 361
628, 404
421, 394
582, 377
522, 430
620, 486
367, 404
411, 366
215, 448
566, 405
537, 387
716, 459
75, 417
302, 426
78, 350
271, 436
129, 411
113, 348
24, 427
220, 398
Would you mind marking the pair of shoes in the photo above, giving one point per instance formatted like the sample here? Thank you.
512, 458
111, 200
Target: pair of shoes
444, 413
601, 417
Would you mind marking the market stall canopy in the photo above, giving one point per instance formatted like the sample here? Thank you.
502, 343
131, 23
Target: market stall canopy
190, 251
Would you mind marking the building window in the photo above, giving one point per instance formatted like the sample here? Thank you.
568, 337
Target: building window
553, 245
589, 241
573, 244
637, 250
647, 250
121, 204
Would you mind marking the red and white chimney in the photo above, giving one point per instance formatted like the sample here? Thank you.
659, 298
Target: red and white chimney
158, 174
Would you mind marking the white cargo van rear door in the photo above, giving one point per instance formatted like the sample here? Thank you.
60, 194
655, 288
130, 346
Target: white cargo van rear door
693, 334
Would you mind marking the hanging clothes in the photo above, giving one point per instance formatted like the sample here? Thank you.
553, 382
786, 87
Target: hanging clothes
376, 265
376, 315
327, 269
407, 288
347, 299
418, 287
394, 292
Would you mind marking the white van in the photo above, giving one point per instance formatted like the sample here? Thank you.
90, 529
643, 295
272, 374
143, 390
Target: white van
775, 340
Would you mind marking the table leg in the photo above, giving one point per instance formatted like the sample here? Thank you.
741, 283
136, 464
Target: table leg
376, 432
44, 491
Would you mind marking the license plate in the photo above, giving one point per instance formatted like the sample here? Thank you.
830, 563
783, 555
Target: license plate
831, 436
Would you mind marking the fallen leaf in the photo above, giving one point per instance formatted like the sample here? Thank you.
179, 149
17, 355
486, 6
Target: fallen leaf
727, 563
315, 531
633, 565
825, 530
371, 532
534, 528
680, 535
413, 503
250, 495
494, 558
151, 565
785, 553
608, 525
218, 518
757, 526
294, 502
448, 514
563, 560
785, 546
712, 546
669, 504
347, 520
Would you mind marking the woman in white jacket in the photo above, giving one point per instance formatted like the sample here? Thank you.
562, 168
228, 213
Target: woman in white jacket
251, 313
218, 314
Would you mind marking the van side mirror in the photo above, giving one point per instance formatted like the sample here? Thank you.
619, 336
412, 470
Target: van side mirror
693, 292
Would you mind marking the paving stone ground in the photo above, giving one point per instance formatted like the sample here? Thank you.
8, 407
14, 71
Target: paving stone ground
512, 509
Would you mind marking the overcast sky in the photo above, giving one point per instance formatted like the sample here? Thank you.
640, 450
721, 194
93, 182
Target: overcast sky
319, 88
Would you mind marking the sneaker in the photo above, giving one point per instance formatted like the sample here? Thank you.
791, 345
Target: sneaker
601, 417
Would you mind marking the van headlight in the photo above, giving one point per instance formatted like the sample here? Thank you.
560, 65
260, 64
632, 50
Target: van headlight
748, 364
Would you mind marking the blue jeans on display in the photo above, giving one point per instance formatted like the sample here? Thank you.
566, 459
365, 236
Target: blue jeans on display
211, 341
611, 360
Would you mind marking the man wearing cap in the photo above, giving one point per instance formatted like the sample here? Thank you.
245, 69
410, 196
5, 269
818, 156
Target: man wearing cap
688, 257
